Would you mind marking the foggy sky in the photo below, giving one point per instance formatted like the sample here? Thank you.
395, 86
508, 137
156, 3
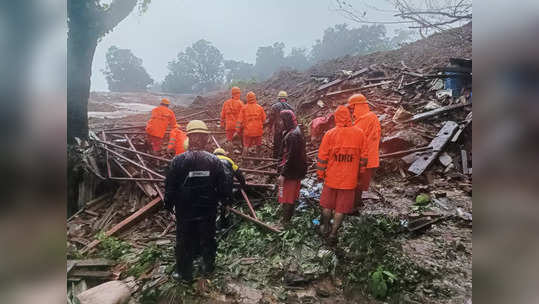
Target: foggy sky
237, 28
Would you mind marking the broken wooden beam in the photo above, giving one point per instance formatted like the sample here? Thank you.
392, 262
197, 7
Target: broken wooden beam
91, 262
90, 274
260, 158
132, 151
329, 84
436, 112
268, 186
193, 114
464, 156
245, 216
133, 162
404, 152
358, 88
155, 186
271, 173
437, 144
139, 179
127, 222
248, 203
126, 172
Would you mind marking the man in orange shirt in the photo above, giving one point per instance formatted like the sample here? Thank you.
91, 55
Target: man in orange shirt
341, 156
369, 123
230, 113
251, 118
162, 117
178, 141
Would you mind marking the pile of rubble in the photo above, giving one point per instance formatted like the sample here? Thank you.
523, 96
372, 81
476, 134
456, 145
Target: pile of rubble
421, 94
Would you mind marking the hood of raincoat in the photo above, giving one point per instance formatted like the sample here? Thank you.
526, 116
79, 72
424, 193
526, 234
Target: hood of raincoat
361, 109
251, 97
342, 117
235, 92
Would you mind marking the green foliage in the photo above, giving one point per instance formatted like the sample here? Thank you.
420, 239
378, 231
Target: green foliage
380, 281
269, 59
199, 68
370, 243
146, 259
238, 72
422, 199
124, 71
111, 247
339, 41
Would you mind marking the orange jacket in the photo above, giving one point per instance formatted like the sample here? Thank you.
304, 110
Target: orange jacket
252, 117
161, 118
177, 139
368, 122
342, 153
230, 112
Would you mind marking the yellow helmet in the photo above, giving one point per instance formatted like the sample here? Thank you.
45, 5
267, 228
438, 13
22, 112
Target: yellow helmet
220, 151
282, 94
197, 126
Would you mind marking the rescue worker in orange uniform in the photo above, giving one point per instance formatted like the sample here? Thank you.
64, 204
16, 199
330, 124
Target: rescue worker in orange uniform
162, 117
230, 113
251, 119
369, 123
178, 141
341, 155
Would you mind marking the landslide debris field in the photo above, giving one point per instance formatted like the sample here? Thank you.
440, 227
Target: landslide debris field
412, 242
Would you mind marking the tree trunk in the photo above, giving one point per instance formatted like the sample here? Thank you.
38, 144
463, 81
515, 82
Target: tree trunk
80, 54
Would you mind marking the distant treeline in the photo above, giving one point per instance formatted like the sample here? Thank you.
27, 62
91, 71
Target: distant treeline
201, 67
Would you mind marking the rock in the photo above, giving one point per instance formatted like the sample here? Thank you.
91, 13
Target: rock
401, 114
113, 292
402, 140
445, 159
432, 105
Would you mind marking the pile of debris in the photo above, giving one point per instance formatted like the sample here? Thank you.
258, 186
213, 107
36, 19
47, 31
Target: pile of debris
421, 94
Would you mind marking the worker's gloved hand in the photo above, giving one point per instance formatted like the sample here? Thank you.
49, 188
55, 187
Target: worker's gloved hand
280, 180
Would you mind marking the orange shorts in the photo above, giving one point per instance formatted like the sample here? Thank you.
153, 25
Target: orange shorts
250, 141
340, 200
230, 134
365, 179
289, 191
155, 142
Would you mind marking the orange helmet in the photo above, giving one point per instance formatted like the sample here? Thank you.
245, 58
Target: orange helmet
357, 99
165, 101
235, 90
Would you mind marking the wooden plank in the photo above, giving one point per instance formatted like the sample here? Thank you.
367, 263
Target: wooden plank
464, 156
92, 274
245, 216
91, 262
358, 88
270, 173
130, 220
329, 84
436, 112
141, 187
437, 144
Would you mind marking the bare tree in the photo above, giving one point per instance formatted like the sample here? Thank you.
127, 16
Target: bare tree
424, 15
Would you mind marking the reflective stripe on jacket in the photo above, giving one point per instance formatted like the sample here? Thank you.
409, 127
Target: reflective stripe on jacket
177, 141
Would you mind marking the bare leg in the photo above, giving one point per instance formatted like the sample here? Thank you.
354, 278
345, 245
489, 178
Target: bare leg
358, 201
288, 211
337, 220
326, 216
